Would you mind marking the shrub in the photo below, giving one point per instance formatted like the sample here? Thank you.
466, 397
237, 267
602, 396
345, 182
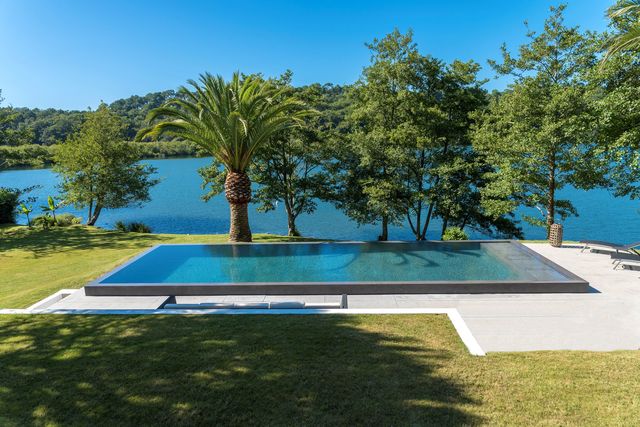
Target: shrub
67, 219
138, 227
9, 201
133, 227
45, 221
454, 233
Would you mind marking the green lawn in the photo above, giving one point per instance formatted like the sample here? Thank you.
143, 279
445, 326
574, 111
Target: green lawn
292, 370
351, 370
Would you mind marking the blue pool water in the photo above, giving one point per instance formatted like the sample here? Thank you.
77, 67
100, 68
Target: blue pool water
176, 207
336, 262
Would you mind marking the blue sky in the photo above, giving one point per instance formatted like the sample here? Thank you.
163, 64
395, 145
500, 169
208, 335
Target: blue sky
72, 54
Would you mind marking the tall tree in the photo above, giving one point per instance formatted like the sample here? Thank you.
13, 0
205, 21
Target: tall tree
99, 170
231, 120
288, 167
538, 133
625, 18
380, 127
456, 174
407, 154
614, 91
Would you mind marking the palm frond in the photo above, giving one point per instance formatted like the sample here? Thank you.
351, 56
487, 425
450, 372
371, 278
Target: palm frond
628, 37
231, 119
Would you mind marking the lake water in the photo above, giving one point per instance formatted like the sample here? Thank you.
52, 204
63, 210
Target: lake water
176, 207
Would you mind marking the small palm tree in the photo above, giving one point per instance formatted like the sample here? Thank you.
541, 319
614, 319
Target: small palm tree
231, 120
51, 207
627, 14
26, 210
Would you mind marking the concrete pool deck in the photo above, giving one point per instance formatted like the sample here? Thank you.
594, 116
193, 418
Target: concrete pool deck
606, 319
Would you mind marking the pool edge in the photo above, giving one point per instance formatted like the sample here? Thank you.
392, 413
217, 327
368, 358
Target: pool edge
575, 284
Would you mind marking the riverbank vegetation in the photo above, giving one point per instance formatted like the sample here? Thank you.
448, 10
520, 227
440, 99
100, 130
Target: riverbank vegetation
416, 138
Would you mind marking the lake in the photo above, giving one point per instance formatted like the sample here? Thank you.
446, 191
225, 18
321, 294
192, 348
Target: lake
176, 207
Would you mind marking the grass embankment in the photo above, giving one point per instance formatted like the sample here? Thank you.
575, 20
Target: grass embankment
149, 370
36, 263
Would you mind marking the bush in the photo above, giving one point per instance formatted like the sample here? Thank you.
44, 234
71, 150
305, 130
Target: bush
67, 219
133, 227
454, 233
139, 227
45, 221
9, 201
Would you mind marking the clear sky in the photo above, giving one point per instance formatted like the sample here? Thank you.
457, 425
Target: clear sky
72, 54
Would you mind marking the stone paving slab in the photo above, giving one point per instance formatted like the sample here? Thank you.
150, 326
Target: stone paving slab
79, 301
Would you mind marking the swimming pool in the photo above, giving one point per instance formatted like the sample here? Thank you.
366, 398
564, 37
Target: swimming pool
337, 268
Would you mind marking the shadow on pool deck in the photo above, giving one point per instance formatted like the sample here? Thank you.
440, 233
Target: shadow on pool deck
226, 370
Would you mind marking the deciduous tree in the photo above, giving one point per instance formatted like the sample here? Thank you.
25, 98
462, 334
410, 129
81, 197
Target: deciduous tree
538, 134
100, 171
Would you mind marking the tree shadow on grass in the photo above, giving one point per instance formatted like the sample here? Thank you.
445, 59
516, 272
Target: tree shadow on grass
44, 242
263, 370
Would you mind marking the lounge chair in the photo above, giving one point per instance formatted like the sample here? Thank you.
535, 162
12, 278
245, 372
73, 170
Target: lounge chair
630, 263
600, 245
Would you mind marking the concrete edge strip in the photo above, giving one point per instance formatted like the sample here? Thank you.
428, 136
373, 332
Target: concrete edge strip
465, 333
53, 298
454, 316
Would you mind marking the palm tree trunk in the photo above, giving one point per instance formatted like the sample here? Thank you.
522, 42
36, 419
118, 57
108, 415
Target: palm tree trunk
237, 187
239, 230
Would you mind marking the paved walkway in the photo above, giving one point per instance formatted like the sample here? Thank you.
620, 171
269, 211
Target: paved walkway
607, 319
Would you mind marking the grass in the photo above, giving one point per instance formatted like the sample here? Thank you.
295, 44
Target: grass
295, 370
291, 370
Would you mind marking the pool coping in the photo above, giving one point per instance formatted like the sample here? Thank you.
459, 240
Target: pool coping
573, 284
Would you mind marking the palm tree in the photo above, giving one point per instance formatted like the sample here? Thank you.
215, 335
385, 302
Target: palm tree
231, 120
51, 207
26, 210
626, 16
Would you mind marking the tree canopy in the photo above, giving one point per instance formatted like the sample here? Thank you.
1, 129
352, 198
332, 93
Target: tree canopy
99, 170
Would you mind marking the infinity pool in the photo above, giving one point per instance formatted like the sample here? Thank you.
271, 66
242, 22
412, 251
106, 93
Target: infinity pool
329, 268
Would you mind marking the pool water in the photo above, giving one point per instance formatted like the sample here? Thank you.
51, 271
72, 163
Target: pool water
336, 262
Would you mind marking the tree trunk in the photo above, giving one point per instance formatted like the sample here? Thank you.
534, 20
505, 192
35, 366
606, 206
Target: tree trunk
239, 230
384, 236
445, 222
427, 221
237, 189
94, 217
551, 201
293, 231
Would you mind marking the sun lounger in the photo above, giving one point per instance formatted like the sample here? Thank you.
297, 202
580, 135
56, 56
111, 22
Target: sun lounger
630, 263
600, 245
